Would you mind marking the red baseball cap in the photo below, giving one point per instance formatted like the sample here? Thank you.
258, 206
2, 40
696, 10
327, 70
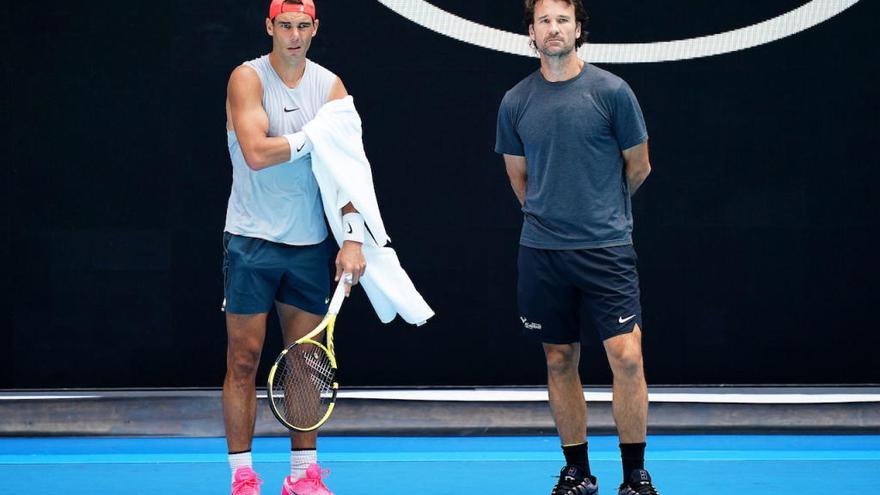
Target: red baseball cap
279, 7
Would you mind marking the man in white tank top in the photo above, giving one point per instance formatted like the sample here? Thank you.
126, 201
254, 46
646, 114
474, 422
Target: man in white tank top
275, 239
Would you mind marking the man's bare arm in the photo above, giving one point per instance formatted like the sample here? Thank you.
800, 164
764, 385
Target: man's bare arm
250, 122
516, 171
337, 92
637, 166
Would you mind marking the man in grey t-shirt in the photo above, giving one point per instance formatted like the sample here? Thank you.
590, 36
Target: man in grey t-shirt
575, 147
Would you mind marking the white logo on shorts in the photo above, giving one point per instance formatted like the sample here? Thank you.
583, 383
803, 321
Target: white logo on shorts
530, 326
623, 320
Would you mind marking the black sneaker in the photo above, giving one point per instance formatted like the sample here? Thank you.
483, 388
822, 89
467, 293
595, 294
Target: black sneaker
639, 484
573, 481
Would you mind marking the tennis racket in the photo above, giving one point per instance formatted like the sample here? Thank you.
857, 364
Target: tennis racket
302, 382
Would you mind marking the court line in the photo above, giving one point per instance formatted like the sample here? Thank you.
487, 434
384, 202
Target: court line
489, 395
778, 395
16, 396
411, 456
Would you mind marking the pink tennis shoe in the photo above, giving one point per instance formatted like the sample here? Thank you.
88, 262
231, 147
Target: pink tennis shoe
246, 482
310, 485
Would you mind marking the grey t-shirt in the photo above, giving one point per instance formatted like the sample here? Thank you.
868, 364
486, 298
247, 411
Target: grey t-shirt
572, 134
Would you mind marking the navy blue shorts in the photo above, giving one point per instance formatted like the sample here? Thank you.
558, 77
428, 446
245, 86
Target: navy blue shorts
563, 292
257, 272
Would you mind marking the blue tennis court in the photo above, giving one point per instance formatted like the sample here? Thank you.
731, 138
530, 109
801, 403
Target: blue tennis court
682, 465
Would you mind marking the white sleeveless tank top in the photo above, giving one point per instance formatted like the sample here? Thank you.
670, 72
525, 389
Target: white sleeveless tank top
281, 203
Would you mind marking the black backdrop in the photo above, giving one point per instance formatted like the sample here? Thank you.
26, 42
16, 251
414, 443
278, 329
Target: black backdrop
756, 232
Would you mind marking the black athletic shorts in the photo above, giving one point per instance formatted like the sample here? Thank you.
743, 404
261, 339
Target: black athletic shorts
258, 272
563, 292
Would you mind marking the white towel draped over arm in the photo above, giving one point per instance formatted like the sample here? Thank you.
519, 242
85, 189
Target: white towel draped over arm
343, 174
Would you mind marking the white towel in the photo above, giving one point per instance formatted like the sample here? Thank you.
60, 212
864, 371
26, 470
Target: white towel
343, 173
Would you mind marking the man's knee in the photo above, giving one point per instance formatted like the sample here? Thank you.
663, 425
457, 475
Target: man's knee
561, 358
625, 353
243, 363
625, 358
629, 363
243, 357
245, 345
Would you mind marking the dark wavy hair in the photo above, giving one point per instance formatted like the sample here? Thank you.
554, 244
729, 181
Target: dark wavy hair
580, 15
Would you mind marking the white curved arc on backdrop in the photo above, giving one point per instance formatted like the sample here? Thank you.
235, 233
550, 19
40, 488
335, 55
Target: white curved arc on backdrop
804, 17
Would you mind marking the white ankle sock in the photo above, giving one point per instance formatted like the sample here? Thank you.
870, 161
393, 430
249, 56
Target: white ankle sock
300, 460
240, 460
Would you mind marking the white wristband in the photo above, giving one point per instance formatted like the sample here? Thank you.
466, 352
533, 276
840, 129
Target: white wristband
353, 227
300, 145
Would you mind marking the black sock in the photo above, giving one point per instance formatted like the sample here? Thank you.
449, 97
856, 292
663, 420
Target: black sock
576, 455
633, 456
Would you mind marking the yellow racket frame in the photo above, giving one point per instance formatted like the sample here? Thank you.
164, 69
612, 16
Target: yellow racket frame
327, 323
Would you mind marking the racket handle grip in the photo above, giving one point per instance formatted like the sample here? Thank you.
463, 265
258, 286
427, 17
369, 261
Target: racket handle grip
339, 294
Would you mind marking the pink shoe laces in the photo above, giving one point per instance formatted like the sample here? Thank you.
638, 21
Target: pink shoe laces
313, 479
246, 482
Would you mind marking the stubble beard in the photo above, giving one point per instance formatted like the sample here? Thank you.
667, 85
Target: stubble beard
559, 53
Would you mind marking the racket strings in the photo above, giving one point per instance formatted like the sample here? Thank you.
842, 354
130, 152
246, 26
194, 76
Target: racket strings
303, 385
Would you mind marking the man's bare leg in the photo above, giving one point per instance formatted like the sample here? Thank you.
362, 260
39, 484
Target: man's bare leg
296, 323
630, 402
630, 391
246, 334
566, 392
